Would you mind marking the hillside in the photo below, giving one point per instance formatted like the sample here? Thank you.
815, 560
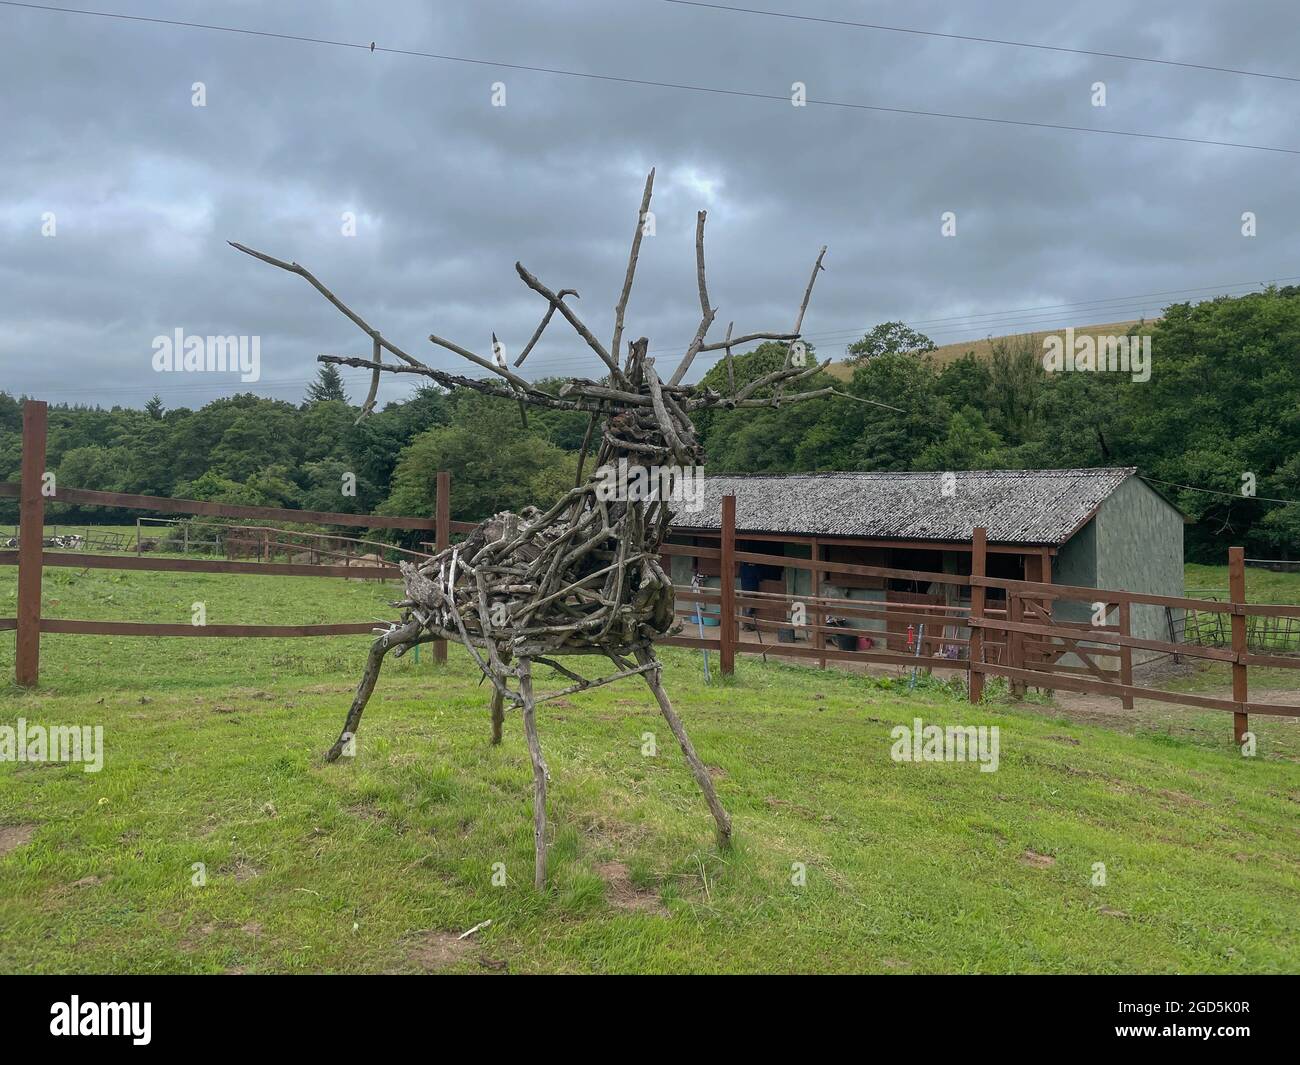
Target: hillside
983, 347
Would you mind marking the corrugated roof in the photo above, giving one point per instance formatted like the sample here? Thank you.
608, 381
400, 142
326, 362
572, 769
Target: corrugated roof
1015, 506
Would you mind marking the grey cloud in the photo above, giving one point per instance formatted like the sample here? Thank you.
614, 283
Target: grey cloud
449, 191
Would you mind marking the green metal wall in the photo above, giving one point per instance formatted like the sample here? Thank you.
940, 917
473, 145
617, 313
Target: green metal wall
1140, 549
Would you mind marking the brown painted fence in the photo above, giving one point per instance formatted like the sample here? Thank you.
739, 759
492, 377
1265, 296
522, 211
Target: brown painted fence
1019, 640
31, 558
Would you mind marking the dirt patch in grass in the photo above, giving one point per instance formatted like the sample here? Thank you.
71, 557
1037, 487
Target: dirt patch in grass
241, 869
622, 894
193, 939
432, 950
1182, 798
14, 836
366, 812
606, 833
1037, 861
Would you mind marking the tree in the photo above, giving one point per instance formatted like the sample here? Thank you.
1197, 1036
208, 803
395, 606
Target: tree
969, 444
1017, 384
889, 338
894, 440
495, 464
327, 386
154, 408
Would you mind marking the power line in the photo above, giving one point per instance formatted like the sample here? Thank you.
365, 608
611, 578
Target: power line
983, 40
713, 89
1005, 316
1216, 492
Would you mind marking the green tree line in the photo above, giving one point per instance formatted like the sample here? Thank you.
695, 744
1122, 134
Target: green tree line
1221, 411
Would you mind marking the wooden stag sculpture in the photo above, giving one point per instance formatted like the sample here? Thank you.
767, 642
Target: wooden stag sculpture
583, 577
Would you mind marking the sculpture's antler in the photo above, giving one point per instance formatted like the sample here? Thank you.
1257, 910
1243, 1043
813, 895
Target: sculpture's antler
518, 388
637, 233
633, 385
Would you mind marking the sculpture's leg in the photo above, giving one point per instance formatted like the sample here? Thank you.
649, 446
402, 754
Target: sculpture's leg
539, 773
498, 713
374, 662
652, 678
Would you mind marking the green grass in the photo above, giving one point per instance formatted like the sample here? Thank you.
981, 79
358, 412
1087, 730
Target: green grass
1262, 585
214, 756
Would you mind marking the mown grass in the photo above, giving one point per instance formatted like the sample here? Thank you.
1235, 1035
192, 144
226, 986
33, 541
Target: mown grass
376, 863
1263, 585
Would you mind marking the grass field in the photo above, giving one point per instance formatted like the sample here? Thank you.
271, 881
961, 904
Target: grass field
378, 863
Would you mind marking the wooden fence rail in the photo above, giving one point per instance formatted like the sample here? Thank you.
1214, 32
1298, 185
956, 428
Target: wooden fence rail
34, 490
1015, 637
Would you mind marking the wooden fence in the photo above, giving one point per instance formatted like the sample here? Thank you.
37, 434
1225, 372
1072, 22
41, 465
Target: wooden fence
31, 557
1018, 639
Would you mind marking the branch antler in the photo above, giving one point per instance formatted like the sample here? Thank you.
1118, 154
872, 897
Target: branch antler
635, 385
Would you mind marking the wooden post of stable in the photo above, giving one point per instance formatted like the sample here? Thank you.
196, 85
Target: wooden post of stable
1237, 596
819, 636
442, 539
1126, 653
727, 611
978, 548
31, 533
1016, 640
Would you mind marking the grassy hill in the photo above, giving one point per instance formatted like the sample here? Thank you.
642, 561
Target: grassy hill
983, 347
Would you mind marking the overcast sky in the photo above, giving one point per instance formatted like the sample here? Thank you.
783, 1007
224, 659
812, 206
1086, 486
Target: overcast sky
98, 129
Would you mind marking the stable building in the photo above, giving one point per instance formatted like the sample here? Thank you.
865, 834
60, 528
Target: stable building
1102, 528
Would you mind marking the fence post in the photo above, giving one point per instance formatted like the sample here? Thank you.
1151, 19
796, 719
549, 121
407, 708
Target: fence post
727, 610
442, 539
1237, 596
819, 636
31, 534
1016, 640
1126, 653
978, 546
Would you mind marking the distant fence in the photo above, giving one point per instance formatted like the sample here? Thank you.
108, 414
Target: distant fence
31, 557
1018, 639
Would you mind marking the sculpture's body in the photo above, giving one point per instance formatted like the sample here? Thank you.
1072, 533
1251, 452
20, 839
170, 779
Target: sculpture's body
582, 578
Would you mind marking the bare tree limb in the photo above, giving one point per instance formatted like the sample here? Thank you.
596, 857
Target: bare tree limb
581, 329
369, 404
621, 308
541, 328
706, 312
